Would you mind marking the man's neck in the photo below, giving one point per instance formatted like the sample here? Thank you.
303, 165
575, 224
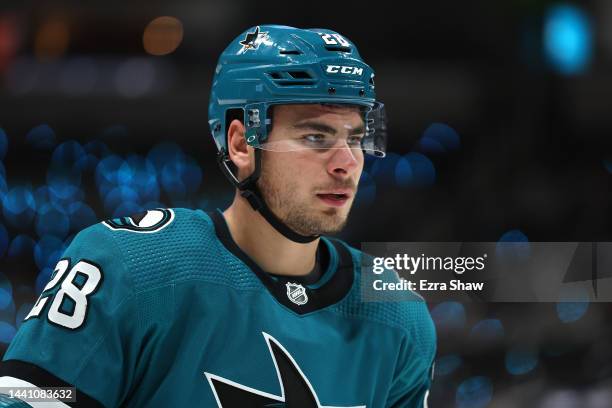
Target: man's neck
273, 252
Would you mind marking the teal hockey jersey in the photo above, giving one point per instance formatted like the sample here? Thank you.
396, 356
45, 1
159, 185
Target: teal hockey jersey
163, 309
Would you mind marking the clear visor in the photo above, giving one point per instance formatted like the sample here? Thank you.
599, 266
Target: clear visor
365, 132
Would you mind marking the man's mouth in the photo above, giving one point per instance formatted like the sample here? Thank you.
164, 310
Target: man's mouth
335, 199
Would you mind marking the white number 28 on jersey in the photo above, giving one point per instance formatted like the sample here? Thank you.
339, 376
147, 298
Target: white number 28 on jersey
83, 279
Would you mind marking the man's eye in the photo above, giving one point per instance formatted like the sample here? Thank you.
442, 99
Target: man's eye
315, 139
355, 140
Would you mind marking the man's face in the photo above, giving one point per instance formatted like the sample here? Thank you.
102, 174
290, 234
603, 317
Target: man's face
312, 189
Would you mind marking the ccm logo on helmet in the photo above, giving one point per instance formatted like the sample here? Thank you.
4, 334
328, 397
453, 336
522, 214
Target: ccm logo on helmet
342, 69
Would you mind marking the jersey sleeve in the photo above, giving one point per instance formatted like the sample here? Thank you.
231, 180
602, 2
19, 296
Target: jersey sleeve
82, 330
414, 372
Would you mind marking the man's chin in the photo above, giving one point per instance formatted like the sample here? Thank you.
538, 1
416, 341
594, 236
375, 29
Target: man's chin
329, 222
316, 221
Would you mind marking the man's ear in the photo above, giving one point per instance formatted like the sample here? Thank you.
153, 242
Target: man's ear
239, 151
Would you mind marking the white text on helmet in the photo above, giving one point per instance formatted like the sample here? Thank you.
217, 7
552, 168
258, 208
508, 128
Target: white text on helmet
342, 69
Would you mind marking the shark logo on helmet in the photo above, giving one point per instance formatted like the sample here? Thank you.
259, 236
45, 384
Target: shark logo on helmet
252, 40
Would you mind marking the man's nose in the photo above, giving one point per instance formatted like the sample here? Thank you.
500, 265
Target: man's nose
344, 160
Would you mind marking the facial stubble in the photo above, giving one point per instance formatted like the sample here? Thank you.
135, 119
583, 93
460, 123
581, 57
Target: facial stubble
281, 194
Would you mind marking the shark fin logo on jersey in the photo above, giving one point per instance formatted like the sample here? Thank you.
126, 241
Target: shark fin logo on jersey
296, 389
252, 40
296, 293
144, 222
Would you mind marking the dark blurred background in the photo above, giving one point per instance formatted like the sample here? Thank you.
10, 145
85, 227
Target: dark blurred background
500, 122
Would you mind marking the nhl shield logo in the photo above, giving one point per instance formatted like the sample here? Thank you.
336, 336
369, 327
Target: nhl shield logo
296, 293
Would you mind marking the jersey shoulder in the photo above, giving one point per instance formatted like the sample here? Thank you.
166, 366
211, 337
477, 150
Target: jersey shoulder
406, 312
169, 246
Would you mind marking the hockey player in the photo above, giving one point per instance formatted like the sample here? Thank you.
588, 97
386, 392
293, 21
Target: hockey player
253, 306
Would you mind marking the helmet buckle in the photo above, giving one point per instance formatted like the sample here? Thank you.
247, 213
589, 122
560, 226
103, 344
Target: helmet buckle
253, 118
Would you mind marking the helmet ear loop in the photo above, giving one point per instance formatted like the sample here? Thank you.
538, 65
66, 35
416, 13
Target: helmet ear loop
249, 190
248, 186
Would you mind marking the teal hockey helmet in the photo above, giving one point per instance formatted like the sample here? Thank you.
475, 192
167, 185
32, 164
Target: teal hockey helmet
275, 65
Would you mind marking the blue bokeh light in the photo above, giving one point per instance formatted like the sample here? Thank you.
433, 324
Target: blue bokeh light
94, 152
81, 216
449, 315
3, 189
107, 174
568, 39
22, 246
127, 208
415, 170
139, 174
41, 137
19, 199
513, 245
4, 240
7, 332
181, 178
164, 153
570, 312
19, 207
63, 203
68, 153
118, 196
42, 196
43, 277
64, 180
6, 292
88, 162
3, 144
488, 331
7, 313
366, 193
97, 148
475, 392
107, 170
404, 175
47, 251
446, 365
521, 360
383, 170
573, 303
439, 138
51, 221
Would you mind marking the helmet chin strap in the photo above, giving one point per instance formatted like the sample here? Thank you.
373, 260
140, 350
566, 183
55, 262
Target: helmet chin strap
249, 190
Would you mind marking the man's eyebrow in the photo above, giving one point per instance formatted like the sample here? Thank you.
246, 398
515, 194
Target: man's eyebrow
322, 127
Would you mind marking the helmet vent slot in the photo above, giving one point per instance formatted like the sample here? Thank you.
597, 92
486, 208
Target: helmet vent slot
290, 52
300, 75
338, 48
294, 83
292, 78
